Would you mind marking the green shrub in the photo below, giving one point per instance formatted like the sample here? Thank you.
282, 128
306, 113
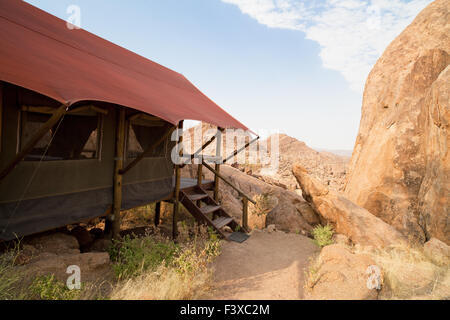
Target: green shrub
134, 256
323, 235
48, 288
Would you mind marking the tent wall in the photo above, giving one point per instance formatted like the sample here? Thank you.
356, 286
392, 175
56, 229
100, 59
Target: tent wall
38, 196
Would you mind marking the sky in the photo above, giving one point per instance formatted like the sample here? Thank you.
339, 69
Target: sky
291, 66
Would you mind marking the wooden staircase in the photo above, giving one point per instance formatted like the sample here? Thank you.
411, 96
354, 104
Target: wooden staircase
207, 211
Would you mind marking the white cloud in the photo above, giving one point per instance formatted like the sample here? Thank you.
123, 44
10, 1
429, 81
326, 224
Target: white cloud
352, 34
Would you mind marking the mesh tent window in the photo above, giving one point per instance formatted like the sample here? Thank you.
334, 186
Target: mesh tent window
77, 137
141, 135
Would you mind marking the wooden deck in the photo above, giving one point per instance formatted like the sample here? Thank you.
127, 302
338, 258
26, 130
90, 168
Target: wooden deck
188, 183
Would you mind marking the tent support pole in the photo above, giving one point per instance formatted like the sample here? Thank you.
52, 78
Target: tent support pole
217, 167
57, 115
176, 203
120, 152
157, 213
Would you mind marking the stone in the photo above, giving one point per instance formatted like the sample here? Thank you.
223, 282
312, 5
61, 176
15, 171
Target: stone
347, 218
340, 274
54, 243
53, 253
400, 168
341, 239
93, 265
437, 251
417, 278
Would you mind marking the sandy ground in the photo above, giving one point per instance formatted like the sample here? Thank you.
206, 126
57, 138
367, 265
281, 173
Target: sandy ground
266, 266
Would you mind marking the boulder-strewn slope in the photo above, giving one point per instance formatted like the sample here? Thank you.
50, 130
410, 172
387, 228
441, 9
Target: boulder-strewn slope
400, 168
329, 168
347, 218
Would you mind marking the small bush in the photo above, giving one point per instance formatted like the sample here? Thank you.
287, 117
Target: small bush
132, 257
48, 288
323, 235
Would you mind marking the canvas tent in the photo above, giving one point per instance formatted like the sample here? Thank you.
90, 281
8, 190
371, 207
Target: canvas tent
87, 91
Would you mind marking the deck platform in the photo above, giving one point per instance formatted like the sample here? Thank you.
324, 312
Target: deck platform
188, 183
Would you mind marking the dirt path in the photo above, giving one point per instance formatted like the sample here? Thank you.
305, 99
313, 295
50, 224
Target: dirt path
266, 266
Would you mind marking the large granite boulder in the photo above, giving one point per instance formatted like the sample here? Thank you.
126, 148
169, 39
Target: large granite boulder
400, 168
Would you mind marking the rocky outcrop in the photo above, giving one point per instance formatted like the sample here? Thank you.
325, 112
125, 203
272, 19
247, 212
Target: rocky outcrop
347, 218
340, 274
287, 210
437, 251
400, 168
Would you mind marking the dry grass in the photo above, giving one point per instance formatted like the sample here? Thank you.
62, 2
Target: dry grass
10, 277
148, 267
409, 274
163, 284
186, 276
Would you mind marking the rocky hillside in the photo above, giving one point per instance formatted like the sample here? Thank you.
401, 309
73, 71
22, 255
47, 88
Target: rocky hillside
329, 168
326, 166
400, 169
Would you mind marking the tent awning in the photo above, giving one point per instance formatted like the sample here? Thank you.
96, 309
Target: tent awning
38, 52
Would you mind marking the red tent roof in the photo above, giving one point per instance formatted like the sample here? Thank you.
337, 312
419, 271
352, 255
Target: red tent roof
39, 52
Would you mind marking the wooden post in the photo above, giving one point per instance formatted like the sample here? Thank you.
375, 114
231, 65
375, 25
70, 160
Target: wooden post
157, 213
57, 115
176, 203
218, 155
120, 152
199, 180
200, 174
245, 213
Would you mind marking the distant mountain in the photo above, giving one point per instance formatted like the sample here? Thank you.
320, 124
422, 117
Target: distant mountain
342, 153
328, 167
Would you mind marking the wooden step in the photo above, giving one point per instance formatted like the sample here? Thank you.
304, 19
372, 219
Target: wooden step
222, 222
197, 196
209, 209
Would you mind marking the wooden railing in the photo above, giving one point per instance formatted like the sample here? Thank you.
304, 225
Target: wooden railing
245, 197
216, 171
